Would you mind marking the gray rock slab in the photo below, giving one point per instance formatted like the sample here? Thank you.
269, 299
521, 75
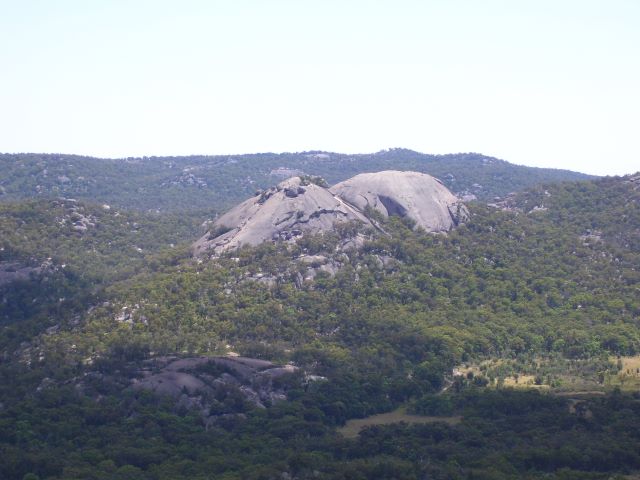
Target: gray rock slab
418, 196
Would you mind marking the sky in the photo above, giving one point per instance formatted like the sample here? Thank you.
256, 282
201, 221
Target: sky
548, 83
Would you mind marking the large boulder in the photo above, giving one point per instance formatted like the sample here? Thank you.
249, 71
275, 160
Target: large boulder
285, 212
417, 196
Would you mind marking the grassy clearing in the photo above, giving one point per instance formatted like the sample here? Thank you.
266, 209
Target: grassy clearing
628, 376
353, 427
523, 381
558, 375
580, 393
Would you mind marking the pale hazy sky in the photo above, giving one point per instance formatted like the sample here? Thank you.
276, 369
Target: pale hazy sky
551, 83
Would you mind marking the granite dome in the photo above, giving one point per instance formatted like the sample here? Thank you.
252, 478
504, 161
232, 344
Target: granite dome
298, 206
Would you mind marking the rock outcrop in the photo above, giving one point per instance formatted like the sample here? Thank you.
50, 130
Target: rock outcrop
216, 388
15, 272
417, 196
194, 380
299, 205
285, 212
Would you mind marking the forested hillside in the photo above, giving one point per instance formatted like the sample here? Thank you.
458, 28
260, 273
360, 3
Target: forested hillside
546, 279
56, 256
219, 182
540, 278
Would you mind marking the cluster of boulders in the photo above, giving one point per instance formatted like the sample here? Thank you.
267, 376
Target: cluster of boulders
76, 216
203, 383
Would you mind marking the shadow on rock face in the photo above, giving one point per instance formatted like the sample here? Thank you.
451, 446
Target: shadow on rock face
297, 207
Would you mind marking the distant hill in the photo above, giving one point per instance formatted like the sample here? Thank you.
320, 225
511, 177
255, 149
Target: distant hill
219, 182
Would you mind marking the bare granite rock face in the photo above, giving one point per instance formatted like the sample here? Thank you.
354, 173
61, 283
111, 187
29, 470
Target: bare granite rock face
418, 196
298, 206
284, 212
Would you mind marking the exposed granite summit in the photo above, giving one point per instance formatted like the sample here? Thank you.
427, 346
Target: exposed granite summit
284, 212
418, 196
298, 206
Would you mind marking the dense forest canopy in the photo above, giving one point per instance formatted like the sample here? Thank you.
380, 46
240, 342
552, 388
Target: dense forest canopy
542, 283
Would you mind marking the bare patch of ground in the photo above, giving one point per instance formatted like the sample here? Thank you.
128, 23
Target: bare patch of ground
353, 427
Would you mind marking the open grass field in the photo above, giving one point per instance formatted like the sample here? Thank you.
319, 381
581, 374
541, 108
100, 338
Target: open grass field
353, 427
558, 375
523, 381
631, 365
628, 378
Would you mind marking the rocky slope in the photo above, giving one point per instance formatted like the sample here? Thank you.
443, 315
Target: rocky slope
299, 205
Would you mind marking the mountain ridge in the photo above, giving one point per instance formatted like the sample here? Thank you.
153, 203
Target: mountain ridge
217, 182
